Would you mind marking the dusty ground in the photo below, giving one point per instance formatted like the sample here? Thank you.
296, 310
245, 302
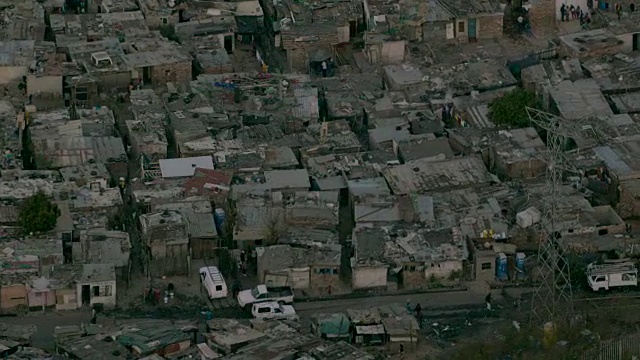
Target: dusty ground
244, 59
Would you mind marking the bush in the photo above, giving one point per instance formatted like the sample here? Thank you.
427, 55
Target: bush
38, 214
510, 109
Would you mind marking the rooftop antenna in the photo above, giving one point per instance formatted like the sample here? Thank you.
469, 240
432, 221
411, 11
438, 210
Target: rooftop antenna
553, 298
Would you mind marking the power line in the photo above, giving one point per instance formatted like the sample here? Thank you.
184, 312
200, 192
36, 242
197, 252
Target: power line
553, 298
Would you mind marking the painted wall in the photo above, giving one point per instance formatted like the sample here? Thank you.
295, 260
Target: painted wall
38, 298
13, 296
363, 277
66, 299
44, 85
106, 296
12, 73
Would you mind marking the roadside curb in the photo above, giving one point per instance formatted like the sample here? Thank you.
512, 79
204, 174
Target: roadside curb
386, 294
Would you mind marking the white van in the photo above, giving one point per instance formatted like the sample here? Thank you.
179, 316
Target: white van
213, 282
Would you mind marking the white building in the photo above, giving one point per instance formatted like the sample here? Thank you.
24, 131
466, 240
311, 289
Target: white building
97, 285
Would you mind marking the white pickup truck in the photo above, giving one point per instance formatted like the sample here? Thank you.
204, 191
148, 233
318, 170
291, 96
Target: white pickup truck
262, 293
272, 310
622, 275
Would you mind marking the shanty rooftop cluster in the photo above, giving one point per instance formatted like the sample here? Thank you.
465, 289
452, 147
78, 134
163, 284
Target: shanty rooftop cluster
332, 141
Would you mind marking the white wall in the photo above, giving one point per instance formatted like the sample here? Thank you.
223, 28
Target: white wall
12, 73
393, 51
106, 300
442, 269
44, 85
363, 277
297, 278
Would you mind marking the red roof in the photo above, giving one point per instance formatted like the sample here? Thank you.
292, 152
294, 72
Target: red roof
203, 177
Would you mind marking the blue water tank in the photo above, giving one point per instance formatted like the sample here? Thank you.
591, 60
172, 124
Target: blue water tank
501, 267
218, 219
520, 257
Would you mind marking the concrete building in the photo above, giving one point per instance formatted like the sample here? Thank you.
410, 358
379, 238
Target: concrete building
72, 28
23, 20
157, 60
311, 267
418, 259
311, 38
99, 246
83, 285
166, 236
103, 60
18, 55
146, 134
316, 209
515, 153
422, 175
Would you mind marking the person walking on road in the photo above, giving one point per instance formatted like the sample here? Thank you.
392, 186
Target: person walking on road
487, 299
418, 309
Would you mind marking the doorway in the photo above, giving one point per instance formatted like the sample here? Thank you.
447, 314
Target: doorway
146, 75
86, 294
636, 42
353, 28
228, 44
472, 29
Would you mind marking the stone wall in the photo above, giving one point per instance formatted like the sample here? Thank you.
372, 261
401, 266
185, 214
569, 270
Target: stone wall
413, 276
490, 26
299, 48
177, 73
435, 31
322, 283
525, 169
629, 204
542, 17
220, 69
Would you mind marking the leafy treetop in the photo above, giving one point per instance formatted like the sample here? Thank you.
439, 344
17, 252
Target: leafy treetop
38, 214
510, 109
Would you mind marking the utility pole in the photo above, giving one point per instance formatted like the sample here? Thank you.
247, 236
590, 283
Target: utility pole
553, 298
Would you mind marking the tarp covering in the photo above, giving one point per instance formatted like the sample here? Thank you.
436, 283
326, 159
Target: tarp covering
334, 325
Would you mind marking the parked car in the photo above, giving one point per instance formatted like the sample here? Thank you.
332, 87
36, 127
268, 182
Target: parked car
262, 293
272, 310
213, 282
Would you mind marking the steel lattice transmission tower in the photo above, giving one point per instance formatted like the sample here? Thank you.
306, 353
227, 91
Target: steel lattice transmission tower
553, 298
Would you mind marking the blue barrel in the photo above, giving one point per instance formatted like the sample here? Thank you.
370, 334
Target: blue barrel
501, 267
218, 219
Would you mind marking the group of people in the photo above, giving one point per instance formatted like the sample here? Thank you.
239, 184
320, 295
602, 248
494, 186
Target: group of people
568, 13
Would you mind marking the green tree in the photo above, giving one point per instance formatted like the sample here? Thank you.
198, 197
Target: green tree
38, 214
510, 109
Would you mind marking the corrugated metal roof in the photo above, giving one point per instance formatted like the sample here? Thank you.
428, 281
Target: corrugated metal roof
287, 179
613, 160
108, 149
201, 225
184, 166
306, 103
478, 117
